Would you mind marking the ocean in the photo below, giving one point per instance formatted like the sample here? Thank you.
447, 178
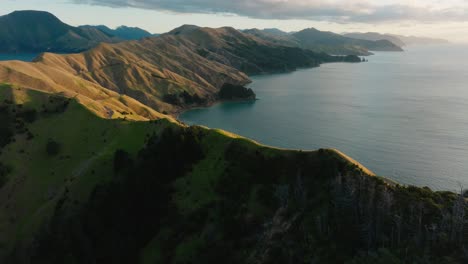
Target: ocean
402, 115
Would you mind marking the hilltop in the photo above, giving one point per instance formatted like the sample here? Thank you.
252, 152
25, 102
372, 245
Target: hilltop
38, 31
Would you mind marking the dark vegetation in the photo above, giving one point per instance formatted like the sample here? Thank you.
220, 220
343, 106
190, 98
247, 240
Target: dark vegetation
55, 104
184, 99
269, 206
13, 121
270, 59
52, 147
122, 217
234, 92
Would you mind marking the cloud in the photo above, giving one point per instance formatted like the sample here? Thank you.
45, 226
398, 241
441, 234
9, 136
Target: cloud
328, 10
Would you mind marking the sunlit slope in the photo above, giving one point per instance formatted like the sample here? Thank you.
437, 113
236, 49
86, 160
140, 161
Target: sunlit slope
38, 179
184, 68
104, 102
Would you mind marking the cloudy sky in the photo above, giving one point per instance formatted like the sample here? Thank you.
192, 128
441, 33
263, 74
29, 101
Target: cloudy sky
434, 18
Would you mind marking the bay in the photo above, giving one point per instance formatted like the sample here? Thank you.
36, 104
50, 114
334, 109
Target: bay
402, 115
20, 56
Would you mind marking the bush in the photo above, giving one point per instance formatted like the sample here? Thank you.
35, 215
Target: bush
122, 160
28, 115
4, 170
234, 92
52, 147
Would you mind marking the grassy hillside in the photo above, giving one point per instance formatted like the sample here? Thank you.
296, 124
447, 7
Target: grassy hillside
112, 191
170, 73
86, 143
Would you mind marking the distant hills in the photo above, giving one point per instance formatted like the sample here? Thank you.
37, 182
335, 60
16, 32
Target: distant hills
123, 32
37, 31
396, 39
323, 41
183, 68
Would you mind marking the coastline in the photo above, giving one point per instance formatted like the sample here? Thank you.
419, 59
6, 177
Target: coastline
177, 114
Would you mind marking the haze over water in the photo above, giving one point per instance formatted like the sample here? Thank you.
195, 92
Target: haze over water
402, 115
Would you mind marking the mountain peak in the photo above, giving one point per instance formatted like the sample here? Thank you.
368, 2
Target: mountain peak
184, 29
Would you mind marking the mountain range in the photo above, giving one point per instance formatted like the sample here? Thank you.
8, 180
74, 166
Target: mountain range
322, 41
37, 31
399, 40
123, 32
185, 67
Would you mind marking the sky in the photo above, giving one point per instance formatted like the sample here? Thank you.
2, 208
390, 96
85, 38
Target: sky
432, 18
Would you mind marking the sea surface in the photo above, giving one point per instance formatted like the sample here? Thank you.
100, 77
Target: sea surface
21, 56
402, 115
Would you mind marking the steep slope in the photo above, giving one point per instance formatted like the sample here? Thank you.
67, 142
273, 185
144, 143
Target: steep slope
184, 68
113, 191
373, 36
37, 31
123, 32
314, 39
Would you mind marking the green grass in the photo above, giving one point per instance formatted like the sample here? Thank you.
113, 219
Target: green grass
197, 188
85, 159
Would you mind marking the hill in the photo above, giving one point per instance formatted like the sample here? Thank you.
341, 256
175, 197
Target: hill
321, 41
123, 32
376, 36
413, 40
114, 191
184, 68
274, 36
37, 31
399, 40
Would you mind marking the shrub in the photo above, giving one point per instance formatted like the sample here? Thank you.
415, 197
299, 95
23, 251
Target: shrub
122, 160
52, 147
28, 115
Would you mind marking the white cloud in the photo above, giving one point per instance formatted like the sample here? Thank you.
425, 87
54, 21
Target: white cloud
329, 10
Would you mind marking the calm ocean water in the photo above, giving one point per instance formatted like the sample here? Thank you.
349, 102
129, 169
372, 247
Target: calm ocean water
402, 115
21, 57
